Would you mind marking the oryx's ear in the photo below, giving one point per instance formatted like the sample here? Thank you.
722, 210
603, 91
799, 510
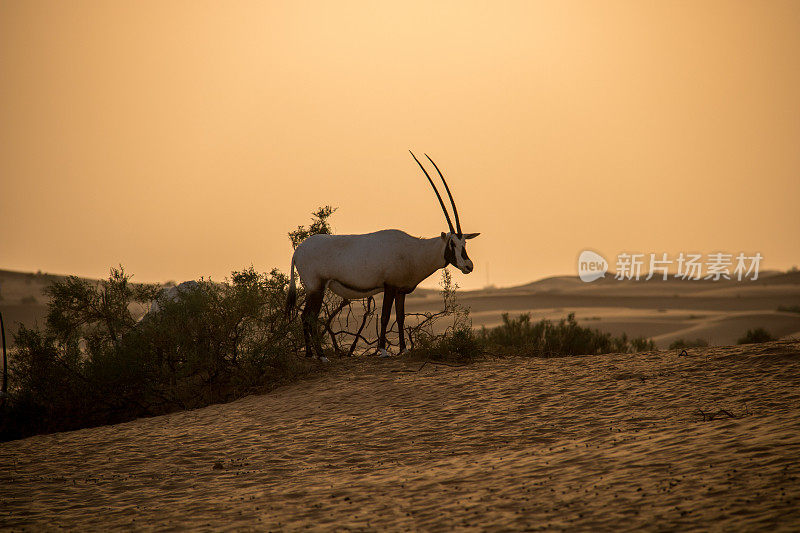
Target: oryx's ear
444, 235
471, 235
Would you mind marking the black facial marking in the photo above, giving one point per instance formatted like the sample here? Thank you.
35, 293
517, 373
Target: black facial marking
450, 254
464, 254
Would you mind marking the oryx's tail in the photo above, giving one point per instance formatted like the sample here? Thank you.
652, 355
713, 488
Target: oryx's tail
291, 297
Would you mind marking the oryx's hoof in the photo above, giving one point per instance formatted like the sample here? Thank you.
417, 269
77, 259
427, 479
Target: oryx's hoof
404, 351
324, 359
383, 353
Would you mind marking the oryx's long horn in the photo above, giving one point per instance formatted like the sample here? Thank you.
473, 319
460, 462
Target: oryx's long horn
441, 202
452, 202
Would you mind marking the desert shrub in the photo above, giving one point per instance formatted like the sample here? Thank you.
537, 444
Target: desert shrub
97, 313
460, 345
447, 334
230, 337
319, 225
517, 331
565, 337
94, 363
681, 344
756, 335
452, 317
43, 384
53, 384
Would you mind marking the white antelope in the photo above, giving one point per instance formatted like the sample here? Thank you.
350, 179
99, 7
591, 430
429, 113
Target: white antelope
358, 266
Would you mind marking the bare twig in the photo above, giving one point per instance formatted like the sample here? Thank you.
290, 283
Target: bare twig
346, 324
370, 301
710, 416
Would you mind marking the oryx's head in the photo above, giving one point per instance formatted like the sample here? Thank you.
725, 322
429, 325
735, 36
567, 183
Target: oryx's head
455, 249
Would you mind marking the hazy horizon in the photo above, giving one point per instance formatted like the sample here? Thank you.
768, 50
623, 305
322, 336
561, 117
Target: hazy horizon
187, 140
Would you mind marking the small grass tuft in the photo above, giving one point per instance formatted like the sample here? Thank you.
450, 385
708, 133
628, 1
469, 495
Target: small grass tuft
460, 346
682, 344
755, 336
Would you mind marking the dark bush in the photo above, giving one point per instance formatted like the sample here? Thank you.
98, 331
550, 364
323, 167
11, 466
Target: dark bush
681, 344
460, 345
94, 363
565, 337
756, 335
319, 225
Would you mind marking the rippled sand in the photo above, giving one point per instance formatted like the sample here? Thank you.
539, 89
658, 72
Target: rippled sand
643, 441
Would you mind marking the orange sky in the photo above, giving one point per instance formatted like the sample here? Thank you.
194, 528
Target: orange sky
184, 139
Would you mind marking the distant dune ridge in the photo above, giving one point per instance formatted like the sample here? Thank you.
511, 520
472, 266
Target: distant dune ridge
643, 441
718, 312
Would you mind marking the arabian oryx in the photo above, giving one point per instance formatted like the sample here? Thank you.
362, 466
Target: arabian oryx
358, 266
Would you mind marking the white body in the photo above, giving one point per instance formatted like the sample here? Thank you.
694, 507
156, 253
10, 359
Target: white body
358, 266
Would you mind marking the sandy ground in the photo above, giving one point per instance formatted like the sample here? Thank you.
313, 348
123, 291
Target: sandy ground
639, 441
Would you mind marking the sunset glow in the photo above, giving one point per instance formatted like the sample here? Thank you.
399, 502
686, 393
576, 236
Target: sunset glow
185, 139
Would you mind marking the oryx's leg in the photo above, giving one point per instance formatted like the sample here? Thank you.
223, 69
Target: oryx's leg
388, 298
309, 319
400, 314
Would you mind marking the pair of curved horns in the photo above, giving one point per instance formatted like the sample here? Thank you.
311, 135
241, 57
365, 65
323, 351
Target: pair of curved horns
441, 202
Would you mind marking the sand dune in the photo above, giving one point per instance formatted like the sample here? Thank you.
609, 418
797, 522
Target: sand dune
639, 441
664, 326
727, 328
718, 312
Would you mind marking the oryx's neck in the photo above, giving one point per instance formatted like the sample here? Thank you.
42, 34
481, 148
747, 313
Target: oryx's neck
434, 255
